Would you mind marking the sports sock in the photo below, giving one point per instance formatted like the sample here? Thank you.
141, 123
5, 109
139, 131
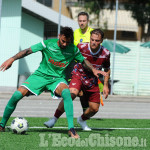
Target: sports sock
84, 102
68, 106
84, 117
58, 113
10, 107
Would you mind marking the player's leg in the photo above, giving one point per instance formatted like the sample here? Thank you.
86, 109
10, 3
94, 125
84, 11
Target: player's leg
32, 84
83, 100
11, 105
74, 87
64, 91
59, 111
94, 103
85, 104
91, 110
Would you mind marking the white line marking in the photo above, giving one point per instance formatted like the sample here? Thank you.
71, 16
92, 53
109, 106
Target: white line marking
91, 128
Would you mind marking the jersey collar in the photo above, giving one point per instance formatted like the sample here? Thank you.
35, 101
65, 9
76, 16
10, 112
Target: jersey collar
85, 32
91, 50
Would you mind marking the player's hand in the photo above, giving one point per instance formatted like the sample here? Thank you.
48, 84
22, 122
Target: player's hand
7, 64
105, 91
98, 72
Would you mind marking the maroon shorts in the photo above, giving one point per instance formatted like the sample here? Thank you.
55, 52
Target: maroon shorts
90, 94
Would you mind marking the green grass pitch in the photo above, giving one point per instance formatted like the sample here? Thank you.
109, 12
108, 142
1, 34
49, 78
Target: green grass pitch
107, 134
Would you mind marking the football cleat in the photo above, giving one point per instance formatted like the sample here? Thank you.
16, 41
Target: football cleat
50, 123
2, 129
72, 133
83, 124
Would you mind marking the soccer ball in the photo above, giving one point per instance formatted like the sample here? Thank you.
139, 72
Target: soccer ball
19, 125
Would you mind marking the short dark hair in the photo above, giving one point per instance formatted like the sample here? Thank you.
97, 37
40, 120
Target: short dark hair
84, 14
98, 31
67, 32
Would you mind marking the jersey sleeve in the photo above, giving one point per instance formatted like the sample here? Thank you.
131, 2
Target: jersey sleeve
39, 46
78, 56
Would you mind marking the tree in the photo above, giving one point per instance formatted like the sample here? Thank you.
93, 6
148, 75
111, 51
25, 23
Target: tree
95, 7
141, 12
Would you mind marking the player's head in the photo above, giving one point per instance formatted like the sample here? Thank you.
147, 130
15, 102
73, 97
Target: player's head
83, 19
96, 39
65, 37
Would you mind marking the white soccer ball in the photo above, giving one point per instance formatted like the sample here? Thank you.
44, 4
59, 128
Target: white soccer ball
19, 125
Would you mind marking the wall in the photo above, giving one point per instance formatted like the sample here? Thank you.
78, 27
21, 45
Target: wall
132, 70
9, 40
64, 9
32, 31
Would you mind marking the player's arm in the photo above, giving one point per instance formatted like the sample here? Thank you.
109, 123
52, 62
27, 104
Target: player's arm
106, 81
7, 64
22, 54
87, 65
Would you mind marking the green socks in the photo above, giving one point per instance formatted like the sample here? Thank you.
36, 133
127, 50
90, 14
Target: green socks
68, 106
10, 107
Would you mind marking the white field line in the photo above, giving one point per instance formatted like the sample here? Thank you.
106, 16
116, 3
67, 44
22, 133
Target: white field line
91, 128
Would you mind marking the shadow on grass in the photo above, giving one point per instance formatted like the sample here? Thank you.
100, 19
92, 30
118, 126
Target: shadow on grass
62, 131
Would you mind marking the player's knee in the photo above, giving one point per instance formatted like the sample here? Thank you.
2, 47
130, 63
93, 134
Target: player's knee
24, 91
94, 110
66, 95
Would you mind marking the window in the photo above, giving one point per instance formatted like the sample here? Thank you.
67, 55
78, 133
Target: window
128, 34
46, 2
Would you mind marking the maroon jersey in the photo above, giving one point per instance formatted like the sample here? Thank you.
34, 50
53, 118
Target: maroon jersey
99, 60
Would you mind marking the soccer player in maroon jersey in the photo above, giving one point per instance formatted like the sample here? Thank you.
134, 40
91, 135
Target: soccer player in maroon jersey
84, 80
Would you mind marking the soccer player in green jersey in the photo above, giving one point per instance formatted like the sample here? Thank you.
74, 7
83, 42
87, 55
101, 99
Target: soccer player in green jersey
56, 56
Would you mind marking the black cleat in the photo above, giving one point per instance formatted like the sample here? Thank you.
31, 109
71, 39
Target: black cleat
72, 133
2, 129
